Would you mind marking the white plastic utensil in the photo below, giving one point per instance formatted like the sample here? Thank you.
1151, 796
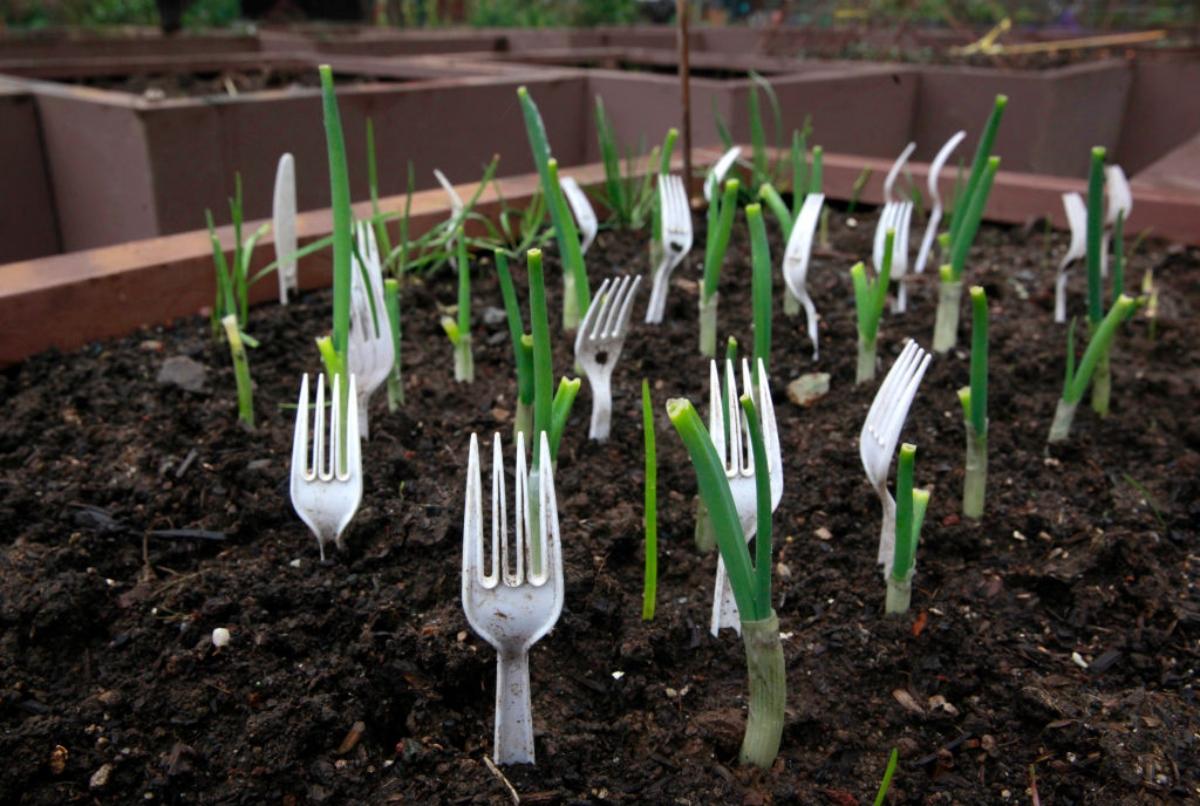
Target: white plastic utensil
896, 215
881, 433
796, 258
599, 342
585, 216
371, 351
1076, 211
716, 175
677, 242
324, 496
738, 458
935, 214
456, 208
283, 223
1120, 203
512, 610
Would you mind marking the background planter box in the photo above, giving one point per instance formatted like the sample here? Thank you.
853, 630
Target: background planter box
28, 223
124, 167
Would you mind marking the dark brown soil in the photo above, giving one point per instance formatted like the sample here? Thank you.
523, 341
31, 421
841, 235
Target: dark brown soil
1057, 639
225, 82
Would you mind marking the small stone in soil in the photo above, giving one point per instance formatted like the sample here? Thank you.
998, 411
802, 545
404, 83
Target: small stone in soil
181, 371
99, 778
808, 388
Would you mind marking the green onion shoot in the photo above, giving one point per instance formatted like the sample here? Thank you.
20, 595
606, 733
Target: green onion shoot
459, 331
650, 515
1102, 379
720, 224
760, 287
751, 582
974, 404
333, 347
241, 369
1077, 378
869, 296
522, 350
395, 381
576, 295
910, 513
964, 224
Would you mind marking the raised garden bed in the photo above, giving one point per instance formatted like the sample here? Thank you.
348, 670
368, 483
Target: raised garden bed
126, 166
1060, 633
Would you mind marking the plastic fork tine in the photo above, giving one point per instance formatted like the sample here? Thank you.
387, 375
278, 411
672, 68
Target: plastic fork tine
472, 569
899, 411
300, 433
627, 306
332, 446
766, 409
612, 311
594, 316
318, 456
521, 537
547, 521
716, 413
499, 513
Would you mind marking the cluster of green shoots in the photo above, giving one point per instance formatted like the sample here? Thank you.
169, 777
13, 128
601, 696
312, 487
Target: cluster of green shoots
550, 411
749, 580
1095, 366
910, 514
964, 220
869, 297
631, 199
576, 294
721, 209
231, 307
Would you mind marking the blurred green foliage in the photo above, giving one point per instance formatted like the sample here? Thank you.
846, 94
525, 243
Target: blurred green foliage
33, 14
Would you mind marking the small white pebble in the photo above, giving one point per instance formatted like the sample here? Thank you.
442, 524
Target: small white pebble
1078, 660
220, 637
617, 675
295, 563
671, 693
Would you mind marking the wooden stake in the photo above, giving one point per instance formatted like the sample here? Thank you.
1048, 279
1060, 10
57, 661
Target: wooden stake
682, 12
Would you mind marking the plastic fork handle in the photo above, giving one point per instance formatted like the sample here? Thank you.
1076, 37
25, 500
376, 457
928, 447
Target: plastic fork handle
601, 404
658, 294
887, 531
364, 399
724, 607
514, 714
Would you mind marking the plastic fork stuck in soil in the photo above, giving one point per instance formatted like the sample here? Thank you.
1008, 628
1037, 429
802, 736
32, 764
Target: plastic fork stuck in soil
599, 342
677, 242
733, 448
512, 608
371, 349
881, 433
327, 491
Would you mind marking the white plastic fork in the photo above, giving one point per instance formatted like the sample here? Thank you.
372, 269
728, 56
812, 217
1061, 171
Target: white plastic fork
283, 223
371, 350
1076, 211
935, 214
585, 216
677, 242
1120, 201
881, 433
716, 175
599, 342
512, 610
737, 456
796, 258
456, 208
326, 496
896, 215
